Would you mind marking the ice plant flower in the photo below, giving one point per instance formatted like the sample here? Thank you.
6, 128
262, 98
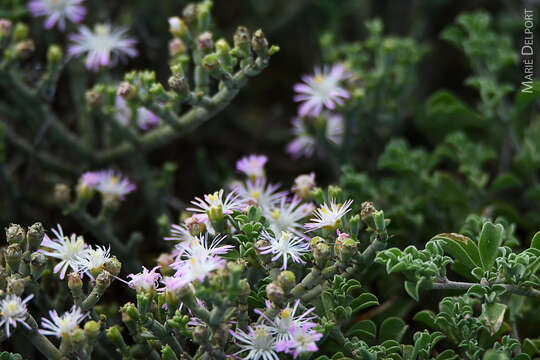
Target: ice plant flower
259, 192
303, 184
104, 46
68, 249
93, 260
304, 143
258, 342
214, 203
284, 245
144, 118
12, 311
252, 166
62, 326
286, 215
57, 11
335, 129
146, 281
303, 340
321, 90
286, 319
328, 216
114, 185
179, 233
199, 247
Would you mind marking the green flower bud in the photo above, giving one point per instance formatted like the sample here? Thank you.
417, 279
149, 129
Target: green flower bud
335, 192
38, 264
54, 54
259, 44
345, 247
221, 335
115, 337
167, 353
129, 312
144, 301
62, 194
34, 235
74, 281
241, 37
317, 195
321, 254
378, 219
15, 234
203, 13
222, 46
92, 329
20, 32
78, 337
315, 241
103, 280
210, 63
13, 256
286, 280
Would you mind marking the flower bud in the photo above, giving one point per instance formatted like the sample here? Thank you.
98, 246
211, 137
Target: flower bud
286, 280
259, 44
38, 264
92, 329
13, 255
321, 253
165, 260
205, 41
15, 234
241, 37
367, 209
103, 280
113, 266
178, 83
78, 337
24, 49
34, 235
177, 47
189, 13
345, 247
167, 353
93, 97
126, 90
275, 293
210, 63
222, 46
74, 281
15, 285
378, 219
317, 195
54, 54
62, 194
129, 312
315, 241
5, 27
303, 184
20, 32
335, 192
115, 337
201, 335
177, 27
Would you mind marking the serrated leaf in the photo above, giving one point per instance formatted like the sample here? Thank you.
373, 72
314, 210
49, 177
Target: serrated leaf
490, 239
392, 328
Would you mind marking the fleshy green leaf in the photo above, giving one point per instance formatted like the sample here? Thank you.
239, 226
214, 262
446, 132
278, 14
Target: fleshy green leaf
490, 239
392, 328
493, 316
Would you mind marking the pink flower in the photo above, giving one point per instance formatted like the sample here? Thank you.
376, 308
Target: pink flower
144, 281
303, 339
104, 46
252, 165
57, 11
321, 90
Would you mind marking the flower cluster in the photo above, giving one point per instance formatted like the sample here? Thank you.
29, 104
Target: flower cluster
318, 92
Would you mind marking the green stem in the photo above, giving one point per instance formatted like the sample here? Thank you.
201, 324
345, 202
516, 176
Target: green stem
458, 285
43, 344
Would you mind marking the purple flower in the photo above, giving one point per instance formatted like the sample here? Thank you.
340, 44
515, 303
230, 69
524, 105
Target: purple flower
144, 281
252, 165
144, 118
321, 90
303, 339
303, 143
259, 192
113, 184
57, 11
89, 179
104, 46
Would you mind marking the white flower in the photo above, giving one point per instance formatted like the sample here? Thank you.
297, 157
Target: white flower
67, 249
62, 326
146, 281
252, 165
93, 259
258, 342
13, 310
335, 128
259, 192
329, 217
113, 184
215, 201
287, 318
285, 245
287, 215
105, 45
303, 184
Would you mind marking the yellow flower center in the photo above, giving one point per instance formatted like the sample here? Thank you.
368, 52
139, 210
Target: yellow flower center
318, 79
275, 214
